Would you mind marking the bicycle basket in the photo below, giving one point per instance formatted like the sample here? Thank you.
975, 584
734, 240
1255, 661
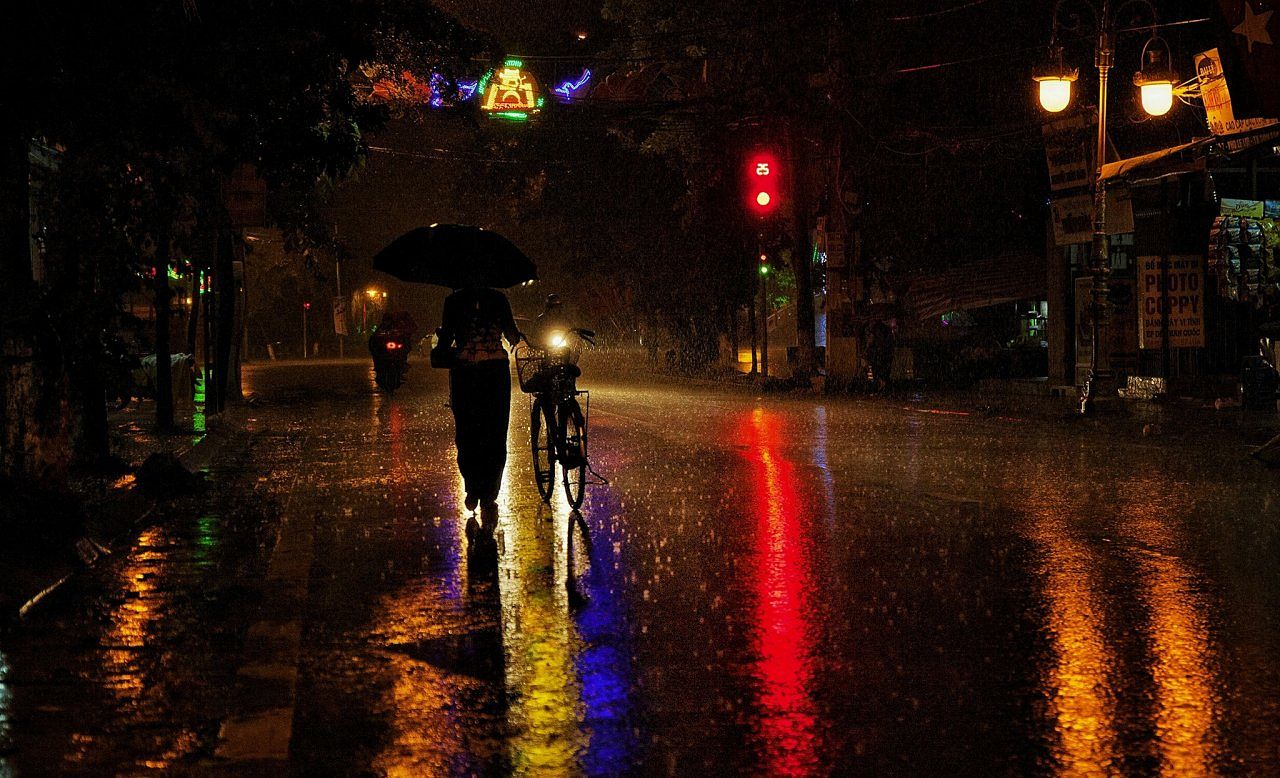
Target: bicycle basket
530, 362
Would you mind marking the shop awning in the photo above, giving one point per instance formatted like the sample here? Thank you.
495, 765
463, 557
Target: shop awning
1148, 162
1005, 278
1182, 159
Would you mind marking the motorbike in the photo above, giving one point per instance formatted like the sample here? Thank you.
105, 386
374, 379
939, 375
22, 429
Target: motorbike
390, 353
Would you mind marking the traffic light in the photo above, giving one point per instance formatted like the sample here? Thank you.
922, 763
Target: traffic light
764, 264
763, 177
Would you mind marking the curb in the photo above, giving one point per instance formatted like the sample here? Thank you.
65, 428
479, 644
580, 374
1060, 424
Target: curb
116, 521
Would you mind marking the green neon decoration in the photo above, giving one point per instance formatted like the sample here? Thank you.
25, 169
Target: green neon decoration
513, 63
515, 116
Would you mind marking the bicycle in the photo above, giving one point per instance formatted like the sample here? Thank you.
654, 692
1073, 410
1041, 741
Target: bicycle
557, 420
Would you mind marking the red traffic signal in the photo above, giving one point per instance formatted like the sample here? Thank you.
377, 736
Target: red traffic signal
763, 177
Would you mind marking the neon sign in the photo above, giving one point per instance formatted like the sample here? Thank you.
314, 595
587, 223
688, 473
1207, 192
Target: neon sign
569, 89
510, 90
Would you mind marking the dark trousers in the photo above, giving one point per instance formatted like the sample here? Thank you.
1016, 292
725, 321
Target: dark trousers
480, 395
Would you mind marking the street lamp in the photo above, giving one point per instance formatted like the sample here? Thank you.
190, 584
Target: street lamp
306, 306
1155, 80
1155, 83
1055, 80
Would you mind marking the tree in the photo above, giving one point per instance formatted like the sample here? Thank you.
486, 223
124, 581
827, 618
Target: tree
151, 105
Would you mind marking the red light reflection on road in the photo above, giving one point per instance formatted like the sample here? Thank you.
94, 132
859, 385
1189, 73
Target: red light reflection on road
783, 581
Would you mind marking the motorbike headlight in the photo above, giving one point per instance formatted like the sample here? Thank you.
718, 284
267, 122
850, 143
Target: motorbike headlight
558, 340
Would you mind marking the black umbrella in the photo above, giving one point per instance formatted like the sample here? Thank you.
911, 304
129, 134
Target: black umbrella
456, 256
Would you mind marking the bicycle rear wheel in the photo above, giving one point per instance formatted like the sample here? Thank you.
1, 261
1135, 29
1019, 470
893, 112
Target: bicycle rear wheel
541, 429
573, 451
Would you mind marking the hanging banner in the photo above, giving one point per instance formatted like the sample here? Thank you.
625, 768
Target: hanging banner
1073, 216
1083, 328
1068, 150
1218, 108
340, 317
1175, 285
1250, 209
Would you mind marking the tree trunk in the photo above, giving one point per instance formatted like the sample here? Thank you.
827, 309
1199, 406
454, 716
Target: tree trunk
17, 347
164, 368
225, 335
91, 439
193, 317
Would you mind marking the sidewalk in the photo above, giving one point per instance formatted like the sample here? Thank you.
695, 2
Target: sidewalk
1012, 399
50, 537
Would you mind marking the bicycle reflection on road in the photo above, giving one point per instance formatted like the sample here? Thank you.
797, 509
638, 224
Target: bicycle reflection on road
568, 671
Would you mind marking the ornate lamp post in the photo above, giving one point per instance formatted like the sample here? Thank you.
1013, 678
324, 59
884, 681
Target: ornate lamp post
1156, 83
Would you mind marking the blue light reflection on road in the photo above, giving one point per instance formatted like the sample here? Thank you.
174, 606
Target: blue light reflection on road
604, 663
6, 704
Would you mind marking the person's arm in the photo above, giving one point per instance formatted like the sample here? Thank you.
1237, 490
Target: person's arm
507, 321
449, 321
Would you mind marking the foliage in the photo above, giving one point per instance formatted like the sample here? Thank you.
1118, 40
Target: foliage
152, 104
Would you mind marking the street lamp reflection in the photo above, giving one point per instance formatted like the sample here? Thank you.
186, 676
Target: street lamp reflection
1077, 677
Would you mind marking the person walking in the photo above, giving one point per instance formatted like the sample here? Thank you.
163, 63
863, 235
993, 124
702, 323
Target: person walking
474, 322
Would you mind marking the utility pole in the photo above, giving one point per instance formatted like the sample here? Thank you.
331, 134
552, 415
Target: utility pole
337, 275
764, 315
305, 307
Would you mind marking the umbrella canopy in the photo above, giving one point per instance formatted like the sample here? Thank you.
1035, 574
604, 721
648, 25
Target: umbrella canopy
456, 256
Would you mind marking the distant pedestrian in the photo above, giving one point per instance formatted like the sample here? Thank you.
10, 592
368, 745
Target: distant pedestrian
475, 320
880, 353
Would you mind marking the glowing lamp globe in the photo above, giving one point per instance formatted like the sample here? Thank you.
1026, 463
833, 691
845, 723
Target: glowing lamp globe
1055, 93
1156, 78
763, 199
1157, 97
1055, 80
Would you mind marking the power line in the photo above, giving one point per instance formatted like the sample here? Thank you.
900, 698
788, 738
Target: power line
940, 12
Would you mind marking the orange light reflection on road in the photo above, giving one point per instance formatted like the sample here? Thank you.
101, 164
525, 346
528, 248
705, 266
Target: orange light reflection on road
787, 723
421, 704
1077, 681
1183, 661
134, 623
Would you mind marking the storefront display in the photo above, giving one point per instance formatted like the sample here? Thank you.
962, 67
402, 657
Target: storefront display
1243, 255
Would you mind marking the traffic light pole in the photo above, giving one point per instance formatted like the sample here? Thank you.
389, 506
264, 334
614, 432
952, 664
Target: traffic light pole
764, 313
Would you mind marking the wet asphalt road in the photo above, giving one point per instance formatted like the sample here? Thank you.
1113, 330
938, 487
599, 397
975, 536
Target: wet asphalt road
779, 586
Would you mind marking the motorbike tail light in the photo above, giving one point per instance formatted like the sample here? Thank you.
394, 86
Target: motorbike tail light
392, 345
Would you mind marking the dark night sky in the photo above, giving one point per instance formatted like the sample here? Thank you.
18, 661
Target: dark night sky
543, 27
988, 91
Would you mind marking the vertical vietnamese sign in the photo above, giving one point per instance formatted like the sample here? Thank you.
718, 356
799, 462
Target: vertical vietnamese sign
1174, 284
340, 316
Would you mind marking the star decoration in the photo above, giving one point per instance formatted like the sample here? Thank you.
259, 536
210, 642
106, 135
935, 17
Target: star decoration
1254, 26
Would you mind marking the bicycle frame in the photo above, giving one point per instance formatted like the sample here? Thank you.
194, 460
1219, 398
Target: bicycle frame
558, 405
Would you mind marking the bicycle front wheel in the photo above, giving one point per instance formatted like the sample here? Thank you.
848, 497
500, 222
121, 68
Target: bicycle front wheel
541, 429
573, 451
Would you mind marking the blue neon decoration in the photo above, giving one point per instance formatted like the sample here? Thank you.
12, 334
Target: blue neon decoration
569, 89
438, 86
